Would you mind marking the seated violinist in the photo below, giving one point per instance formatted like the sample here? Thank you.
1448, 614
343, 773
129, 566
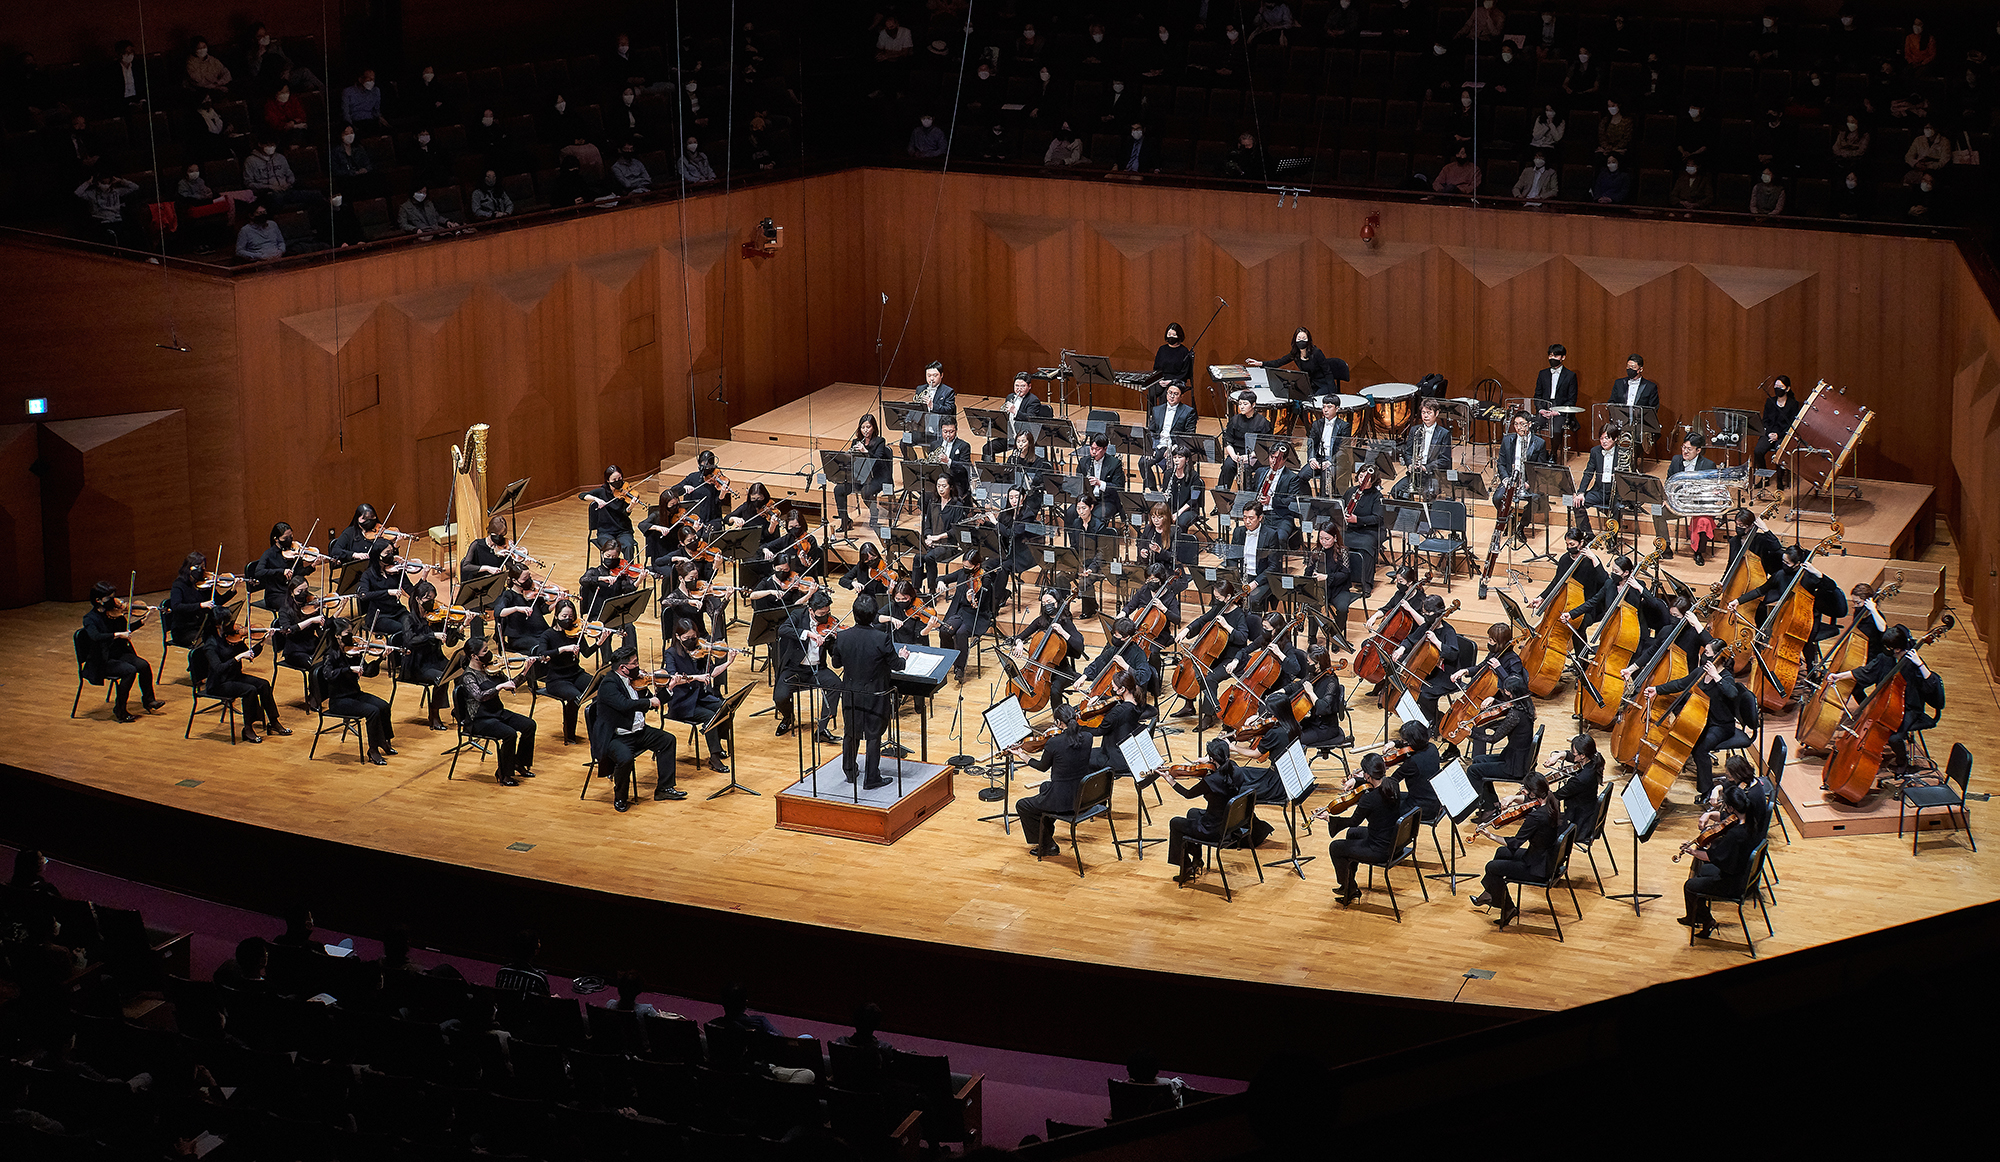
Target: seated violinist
801, 661
1416, 770
1524, 855
111, 657
611, 511
620, 734
1126, 716
969, 612
1217, 787
423, 659
564, 649
867, 573
1370, 830
691, 597
520, 611
605, 582
339, 676
1722, 867
488, 555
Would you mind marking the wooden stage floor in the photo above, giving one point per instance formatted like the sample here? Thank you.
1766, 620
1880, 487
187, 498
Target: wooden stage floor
959, 881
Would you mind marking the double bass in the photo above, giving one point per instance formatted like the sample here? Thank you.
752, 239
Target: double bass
1628, 734
1861, 747
1671, 740
1612, 649
1787, 631
1545, 656
1745, 573
1823, 708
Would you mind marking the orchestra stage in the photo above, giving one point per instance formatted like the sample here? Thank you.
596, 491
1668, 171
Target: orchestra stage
972, 928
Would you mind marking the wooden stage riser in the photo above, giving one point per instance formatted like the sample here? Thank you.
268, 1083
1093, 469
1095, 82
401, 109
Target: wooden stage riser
862, 821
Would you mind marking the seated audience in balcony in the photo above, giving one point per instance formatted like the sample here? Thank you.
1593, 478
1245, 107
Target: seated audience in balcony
1065, 148
1767, 196
1613, 186
361, 104
1459, 176
420, 215
1537, 182
1614, 132
927, 139
629, 172
285, 115
1247, 160
1694, 136
1547, 132
489, 201
260, 238
103, 197
1850, 145
205, 72
693, 165
570, 187
586, 154
1851, 197
1929, 152
1694, 189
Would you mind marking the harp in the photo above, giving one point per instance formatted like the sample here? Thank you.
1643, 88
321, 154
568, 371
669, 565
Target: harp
468, 489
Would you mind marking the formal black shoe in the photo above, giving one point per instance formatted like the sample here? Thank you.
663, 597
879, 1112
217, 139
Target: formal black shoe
1344, 898
375, 758
278, 729
875, 784
569, 740
1700, 558
718, 766
1204, 724
620, 805
827, 737
123, 716
846, 525
523, 773
1187, 710
252, 736
436, 725
669, 794
1482, 900
153, 703
1045, 849
1668, 554
508, 781
313, 708
1688, 921
1706, 930
1507, 915
784, 728
1188, 872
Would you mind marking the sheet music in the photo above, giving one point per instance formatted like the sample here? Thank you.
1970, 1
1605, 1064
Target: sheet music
1141, 756
1408, 711
922, 665
1295, 771
1454, 789
1639, 808
1007, 723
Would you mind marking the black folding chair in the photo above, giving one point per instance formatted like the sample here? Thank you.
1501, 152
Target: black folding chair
83, 651
1403, 850
1237, 822
223, 708
1958, 769
1558, 873
1093, 801
1751, 880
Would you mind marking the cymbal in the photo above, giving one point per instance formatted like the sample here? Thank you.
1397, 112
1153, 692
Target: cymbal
1567, 411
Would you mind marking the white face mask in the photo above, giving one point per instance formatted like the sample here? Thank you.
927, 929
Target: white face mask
1847, 22
429, 76
194, 175
627, 98
1611, 109
1767, 179
1027, 34
691, 146
1097, 38
1611, 167
368, 84
1926, 187
418, 196
1769, 23
1117, 88
1507, 56
1853, 126
127, 58
263, 42
1851, 183
202, 51
347, 139
1437, 50
562, 106
1232, 36
1137, 134
1690, 169
690, 86
1549, 115
1930, 133
983, 74
1694, 114
1045, 74
1583, 58
1163, 38
1541, 163
1465, 100
486, 120
284, 98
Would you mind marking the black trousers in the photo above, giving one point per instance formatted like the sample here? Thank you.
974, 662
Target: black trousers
258, 705
704, 708
372, 710
1705, 877
791, 679
961, 634
567, 689
1347, 853
1483, 770
1036, 826
1195, 826
623, 751
121, 671
1150, 467
515, 732
868, 494
1225, 476
1713, 739
864, 726
1503, 868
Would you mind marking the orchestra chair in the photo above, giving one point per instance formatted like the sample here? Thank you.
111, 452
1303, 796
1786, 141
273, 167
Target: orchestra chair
458, 718
614, 1031
1958, 769
1135, 1099
1402, 850
952, 1104
1774, 770
1749, 892
1093, 801
1588, 840
305, 679
672, 1038
344, 723
396, 681
223, 708
1558, 873
1235, 829
1446, 539
879, 1127
81, 642
590, 767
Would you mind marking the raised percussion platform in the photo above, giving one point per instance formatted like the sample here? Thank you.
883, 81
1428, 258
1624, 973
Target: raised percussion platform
1891, 518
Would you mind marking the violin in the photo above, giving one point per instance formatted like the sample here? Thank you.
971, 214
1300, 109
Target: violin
417, 568
219, 581
628, 569
134, 612
1505, 816
667, 679
304, 555
715, 649
1709, 835
381, 530
1200, 770
596, 630
1254, 728
824, 629
710, 589
716, 480
238, 633
447, 614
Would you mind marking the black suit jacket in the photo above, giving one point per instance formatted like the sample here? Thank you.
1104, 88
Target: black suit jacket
1067, 759
1649, 392
866, 657
1316, 439
1721, 698
1555, 387
1032, 408
1183, 422
1114, 470
943, 401
1267, 547
1538, 452
1439, 457
612, 708
1534, 843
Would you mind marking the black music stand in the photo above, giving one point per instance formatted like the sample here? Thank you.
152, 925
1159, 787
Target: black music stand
1051, 432
480, 595
993, 423
725, 715
1294, 388
1092, 371
349, 578
837, 468
908, 417
922, 687
509, 497
1553, 482
1133, 440
1644, 492
1642, 422
764, 625
901, 541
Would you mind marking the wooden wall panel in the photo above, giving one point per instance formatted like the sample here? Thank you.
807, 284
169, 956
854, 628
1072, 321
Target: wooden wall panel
1975, 454
114, 492
22, 582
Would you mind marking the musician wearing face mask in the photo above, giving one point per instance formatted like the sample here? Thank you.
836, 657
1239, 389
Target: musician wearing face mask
353, 543
1652, 611
802, 648
339, 677
1829, 603
274, 571
227, 647
1555, 387
1055, 613
1722, 868
111, 657
1370, 830
1577, 798
941, 518
488, 555
382, 587
1364, 525
1103, 475
1325, 374
487, 717
1781, 411
1637, 399
520, 612
611, 511
1722, 731
1438, 683
1227, 605
702, 489
1323, 443
694, 698
1524, 855
422, 660
969, 610
1514, 730
602, 583
564, 649
1166, 424
1217, 787
301, 621
1067, 759
1321, 728
1172, 363
1236, 436
619, 734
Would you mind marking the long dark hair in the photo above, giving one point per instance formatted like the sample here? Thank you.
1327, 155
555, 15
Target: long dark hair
757, 494
867, 421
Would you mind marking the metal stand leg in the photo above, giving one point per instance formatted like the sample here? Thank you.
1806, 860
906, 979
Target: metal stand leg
1635, 895
1006, 815
1295, 861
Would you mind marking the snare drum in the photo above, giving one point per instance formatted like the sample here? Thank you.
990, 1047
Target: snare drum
1829, 424
1395, 405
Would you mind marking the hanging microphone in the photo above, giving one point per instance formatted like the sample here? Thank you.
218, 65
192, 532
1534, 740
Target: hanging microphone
1223, 301
885, 298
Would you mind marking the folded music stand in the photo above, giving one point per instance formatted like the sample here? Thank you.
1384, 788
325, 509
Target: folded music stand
1051, 431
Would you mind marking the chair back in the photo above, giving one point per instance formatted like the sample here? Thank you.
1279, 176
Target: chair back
1535, 756
1133, 1099
1565, 843
673, 1038
1602, 815
81, 642
198, 668
1753, 867
929, 1076
1958, 768
1237, 818
1774, 767
614, 1030
1095, 792
1406, 834
854, 1067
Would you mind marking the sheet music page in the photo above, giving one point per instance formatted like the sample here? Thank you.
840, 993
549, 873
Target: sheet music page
1141, 756
1007, 723
1295, 771
1454, 789
1639, 807
923, 665
1408, 710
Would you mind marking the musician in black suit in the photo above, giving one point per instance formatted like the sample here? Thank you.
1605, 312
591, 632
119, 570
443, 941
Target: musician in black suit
1067, 759
1596, 488
942, 516
801, 656
702, 489
1519, 448
872, 472
1781, 411
1701, 529
619, 734
1172, 363
1364, 524
1323, 443
1103, 476
111, 657
1186, 498
1021, 405
486, 717
1427, 446
1277, 486
1185, 832
1125, 653
1371, 829
1165, 423
865, 656
610, 513
1722, 732
1054, 615
339, 678
1578, 796
1633, 389
1829, 603
955, 452
1515, 731
1236, 435
1260, 542
694, 699
1523, 855
1923, 708
969, 613
1413, 776
1554, 388
1722, 868
943, 401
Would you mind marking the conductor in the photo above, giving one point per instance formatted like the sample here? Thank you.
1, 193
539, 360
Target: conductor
866, 656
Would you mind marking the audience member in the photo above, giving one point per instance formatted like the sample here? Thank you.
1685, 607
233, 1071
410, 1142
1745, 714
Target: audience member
269, 175
423, 99
1247, 160
736, 1012
1767, 197
125, 80
1537, 182
1929, 152
285, 115
627, 1001
1548, 129
692, 164
1584, 77
1694, 137
427, 160
520, 975
1850, 145
586, 154
1614, 132
927, 140
1694, 189
209, 134
1613, 186
1459, 176
1142, 156
104, 199
260, 238
1065, 148
361, 104
570, 187
629, 172
420, 215
1920, 49
205, 71
1923, 202
247, 968
1851, 197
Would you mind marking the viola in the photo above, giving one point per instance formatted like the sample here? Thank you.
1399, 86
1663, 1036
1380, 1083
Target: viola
1197, 770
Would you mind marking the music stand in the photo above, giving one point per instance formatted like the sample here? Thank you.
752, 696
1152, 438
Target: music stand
1008, 725
1454, 791
1133, 440
993, 423
481, 594
1646, 492
509, 497
907, 417
1091, 370
1296, 775
1639, 811
350, 576
1642, 422
1053, 432
623, 610
1550, 482
903, 541
921, 686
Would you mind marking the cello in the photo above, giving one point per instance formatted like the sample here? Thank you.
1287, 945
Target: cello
1861, 747
1198, 656
1628, 734
1745, 573
1458, 718
1035, 683
1423, 658
1822, 710
1612, 649
1787, 630
1254, 679
1545, 656
1399, 618
1671, 741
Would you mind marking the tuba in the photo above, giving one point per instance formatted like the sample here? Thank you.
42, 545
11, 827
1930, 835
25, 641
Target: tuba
1706, 493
